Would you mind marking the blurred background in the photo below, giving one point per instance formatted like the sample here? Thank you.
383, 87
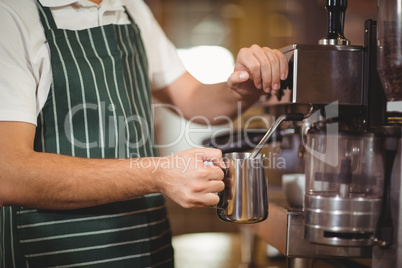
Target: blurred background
234, 24
208, 34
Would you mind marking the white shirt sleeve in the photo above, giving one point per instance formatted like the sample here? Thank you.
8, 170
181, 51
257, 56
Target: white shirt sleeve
17, 82
25, 69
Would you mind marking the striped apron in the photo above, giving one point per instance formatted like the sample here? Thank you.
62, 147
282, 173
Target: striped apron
98, 107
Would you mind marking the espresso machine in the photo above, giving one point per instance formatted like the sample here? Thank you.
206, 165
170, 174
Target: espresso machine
352, 139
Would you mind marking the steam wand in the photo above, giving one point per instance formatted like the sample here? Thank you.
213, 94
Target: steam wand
271, 130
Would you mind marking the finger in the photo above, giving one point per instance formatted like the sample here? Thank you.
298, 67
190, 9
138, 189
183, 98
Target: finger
216, 186
217, 172
218, 162
205, 199
248, 61
213, 156
211, 199
283, 64
273, 75
237, 77
267, 61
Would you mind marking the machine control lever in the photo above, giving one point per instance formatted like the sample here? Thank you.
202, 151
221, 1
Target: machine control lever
336, 20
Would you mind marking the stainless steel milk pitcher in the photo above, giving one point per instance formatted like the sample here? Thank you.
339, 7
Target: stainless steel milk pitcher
245, 198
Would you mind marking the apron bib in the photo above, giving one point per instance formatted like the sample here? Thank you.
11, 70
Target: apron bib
99, 106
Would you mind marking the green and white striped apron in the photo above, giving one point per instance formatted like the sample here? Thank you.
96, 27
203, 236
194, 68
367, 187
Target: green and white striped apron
98, 107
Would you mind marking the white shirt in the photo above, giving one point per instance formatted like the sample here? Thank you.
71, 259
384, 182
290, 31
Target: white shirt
25, 71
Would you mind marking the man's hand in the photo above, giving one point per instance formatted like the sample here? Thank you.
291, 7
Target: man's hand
192, 178
258, 68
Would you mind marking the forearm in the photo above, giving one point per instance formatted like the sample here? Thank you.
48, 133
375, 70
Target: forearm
49, 181
217, 100
205, 103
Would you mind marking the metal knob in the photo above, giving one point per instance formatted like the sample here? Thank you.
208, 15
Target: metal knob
336, 19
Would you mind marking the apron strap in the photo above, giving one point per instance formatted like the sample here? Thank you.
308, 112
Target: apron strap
129, 17
46, 17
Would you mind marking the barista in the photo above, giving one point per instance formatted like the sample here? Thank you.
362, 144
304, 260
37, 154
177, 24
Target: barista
80, 179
